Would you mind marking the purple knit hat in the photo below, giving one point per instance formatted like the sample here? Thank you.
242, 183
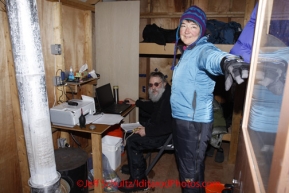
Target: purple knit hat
197, 15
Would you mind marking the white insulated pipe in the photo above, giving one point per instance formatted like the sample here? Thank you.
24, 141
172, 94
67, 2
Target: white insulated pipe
30, 77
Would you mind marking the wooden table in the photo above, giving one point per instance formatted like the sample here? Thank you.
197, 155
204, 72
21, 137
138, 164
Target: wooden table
96, 136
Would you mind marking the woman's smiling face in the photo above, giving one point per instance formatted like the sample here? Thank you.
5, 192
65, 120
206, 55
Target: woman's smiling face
189, 32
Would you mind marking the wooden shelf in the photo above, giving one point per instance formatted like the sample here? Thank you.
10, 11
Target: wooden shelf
228, 14
227, 136
155, 49
168, 49
72, 86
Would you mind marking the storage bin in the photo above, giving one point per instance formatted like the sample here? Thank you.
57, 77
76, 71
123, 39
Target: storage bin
215, 188
111, 148
115, 131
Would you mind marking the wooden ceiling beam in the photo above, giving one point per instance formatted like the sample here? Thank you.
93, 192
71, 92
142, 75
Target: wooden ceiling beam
77, 4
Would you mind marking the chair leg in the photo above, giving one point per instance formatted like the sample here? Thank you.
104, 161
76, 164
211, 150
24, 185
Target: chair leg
157, 157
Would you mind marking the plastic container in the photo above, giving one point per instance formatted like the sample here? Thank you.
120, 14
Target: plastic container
115, 130
111, 148
71, 74
215, 188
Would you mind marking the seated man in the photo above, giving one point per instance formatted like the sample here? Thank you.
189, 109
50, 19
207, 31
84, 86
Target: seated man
155, 129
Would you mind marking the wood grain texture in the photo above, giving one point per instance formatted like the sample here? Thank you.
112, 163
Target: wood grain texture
11, 132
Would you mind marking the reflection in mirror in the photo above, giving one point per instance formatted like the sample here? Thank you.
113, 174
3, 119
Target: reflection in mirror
266, 102
266, 106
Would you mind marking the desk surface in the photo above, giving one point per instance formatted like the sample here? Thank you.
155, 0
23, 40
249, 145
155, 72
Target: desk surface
99, 128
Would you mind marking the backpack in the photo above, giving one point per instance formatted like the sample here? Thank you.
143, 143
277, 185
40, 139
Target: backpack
219, 32
154, 34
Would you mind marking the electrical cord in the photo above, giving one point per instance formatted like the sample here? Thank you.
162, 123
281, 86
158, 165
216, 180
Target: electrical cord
57, 72
125, 138
62, 93
54, 93
71, 90
75, 140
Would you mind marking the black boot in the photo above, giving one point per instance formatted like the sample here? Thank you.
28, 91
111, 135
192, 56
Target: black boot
210, 151
125, 169
219, 155
132, 185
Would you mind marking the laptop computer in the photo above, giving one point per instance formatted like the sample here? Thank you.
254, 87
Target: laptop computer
106, 102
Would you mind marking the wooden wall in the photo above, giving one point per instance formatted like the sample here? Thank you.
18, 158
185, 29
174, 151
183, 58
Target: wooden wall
10, 178
72, 28
59, 24
166, 14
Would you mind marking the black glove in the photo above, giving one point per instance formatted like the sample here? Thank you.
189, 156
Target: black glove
234, 68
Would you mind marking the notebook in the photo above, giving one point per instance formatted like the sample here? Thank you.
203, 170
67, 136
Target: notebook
106, 102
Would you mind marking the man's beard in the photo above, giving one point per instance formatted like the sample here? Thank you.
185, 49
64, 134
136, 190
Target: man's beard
155, 96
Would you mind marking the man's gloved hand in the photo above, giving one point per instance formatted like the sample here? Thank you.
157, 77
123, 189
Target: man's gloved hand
234, 68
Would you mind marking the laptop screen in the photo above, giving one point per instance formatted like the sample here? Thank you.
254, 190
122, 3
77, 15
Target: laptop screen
104, 95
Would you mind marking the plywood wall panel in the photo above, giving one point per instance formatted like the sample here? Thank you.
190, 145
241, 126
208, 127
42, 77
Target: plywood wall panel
145, 6
46, 14
164, 6
74, 36
144, 71
203, 4
163, 65
142, 24
9, 162
238, 6
218, 6
77, 41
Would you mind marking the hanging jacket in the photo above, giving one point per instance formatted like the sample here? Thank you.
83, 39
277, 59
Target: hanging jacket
243, 46
193, 82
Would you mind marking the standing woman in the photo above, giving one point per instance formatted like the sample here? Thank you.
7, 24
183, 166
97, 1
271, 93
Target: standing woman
192, 94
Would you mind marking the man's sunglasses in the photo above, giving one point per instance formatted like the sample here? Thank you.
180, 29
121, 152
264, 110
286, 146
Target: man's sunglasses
156, 84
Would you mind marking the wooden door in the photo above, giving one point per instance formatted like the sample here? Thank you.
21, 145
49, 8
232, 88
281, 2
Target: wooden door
262, 162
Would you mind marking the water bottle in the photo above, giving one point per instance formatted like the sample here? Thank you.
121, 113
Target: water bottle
71, 75
115, 94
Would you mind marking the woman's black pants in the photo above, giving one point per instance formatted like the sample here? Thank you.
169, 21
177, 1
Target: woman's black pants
190, 141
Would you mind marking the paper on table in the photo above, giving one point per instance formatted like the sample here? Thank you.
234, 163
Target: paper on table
109, 119
130, 126
90, 118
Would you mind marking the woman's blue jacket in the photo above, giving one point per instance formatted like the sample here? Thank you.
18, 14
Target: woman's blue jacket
193, 82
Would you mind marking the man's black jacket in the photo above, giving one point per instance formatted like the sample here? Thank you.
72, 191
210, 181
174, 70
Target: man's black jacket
160, 120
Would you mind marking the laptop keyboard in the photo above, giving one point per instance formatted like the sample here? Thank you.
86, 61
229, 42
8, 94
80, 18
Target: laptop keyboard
117, 108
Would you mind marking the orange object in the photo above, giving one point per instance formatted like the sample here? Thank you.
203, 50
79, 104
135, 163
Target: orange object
215, 188
116, 131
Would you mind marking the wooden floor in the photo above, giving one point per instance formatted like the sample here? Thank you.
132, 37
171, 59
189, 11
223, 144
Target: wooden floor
166, 170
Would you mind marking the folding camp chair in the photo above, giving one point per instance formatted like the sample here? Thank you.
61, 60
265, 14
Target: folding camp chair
167, 146
151, 163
